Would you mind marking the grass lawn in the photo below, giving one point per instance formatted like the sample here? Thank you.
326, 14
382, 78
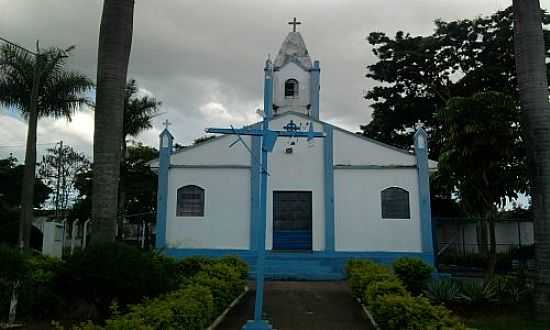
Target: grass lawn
501, 318
506, 323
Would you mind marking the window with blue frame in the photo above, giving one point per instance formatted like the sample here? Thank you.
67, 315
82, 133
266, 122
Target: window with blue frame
395, 203
190, 201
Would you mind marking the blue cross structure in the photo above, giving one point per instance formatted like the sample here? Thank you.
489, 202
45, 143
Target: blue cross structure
268, 138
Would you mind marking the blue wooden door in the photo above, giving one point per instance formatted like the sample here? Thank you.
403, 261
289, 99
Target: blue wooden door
292, 220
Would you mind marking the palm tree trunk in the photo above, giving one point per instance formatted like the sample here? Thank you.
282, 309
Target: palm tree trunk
122, 191
115, 41
533, 90
27, 190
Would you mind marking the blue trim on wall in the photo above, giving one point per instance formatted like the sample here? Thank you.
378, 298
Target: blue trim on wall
421, 152
329, 188
254, 189
165, 147
315, 89
316, 265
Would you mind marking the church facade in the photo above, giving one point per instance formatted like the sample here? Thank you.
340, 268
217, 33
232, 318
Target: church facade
329, 199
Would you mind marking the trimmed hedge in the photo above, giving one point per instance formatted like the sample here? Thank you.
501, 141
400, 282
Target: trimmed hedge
101, 275
36, 292
215, 283
392, 306
413, 272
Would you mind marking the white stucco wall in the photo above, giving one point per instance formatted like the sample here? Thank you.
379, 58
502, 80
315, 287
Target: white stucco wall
301, 170
358, 213
291, 70
351, 150
214, 152
359, 227
226, 221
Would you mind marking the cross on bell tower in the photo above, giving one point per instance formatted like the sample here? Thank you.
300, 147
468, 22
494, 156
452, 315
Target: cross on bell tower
294, 23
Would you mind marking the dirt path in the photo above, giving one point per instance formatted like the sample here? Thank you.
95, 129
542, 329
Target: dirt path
301, 306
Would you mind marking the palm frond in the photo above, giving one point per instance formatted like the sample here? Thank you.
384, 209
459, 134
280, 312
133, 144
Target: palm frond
60, 92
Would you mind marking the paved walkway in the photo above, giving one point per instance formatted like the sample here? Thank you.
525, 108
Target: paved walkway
301, 306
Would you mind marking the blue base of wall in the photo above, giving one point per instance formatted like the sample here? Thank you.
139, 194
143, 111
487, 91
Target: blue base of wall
302, 265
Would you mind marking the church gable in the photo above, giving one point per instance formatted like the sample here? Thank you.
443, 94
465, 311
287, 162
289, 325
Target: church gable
354, 150
215, 152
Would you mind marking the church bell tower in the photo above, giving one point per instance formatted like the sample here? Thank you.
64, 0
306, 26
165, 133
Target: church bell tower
295, 77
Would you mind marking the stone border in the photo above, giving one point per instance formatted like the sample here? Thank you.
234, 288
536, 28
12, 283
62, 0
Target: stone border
368, 315
222, 316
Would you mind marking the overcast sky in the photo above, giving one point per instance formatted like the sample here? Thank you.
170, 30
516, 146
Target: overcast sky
204, 59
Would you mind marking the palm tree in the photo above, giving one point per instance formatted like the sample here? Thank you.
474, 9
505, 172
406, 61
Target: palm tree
533, 90
138, 113
115, 43
56, 93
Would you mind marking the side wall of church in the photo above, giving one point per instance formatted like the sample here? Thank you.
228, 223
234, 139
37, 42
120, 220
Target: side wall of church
226, 221
358, 211
363, 170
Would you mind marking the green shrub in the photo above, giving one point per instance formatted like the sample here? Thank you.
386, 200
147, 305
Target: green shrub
240, 265
444, 291
187, 308
114, 272
404, 312
354, 265
378, 289
392, 306
224, 281
190, 266
14, 267
194, 305
511, 289
413, 272
477, 293
363, 272
36, 293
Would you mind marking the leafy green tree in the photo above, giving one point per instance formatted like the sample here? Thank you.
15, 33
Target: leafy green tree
479, 158
115, 43
531, 63
141, 187
417, 75
139, 111
11, 177
59, 93
60, 168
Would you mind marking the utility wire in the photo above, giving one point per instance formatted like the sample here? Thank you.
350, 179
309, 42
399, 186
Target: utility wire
23, 145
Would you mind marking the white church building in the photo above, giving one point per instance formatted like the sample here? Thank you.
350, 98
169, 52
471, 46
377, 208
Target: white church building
329, 199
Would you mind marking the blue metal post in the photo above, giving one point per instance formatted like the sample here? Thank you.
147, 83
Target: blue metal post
258, 323
315, 89
165, 150
329, 189
254, 188
421, 151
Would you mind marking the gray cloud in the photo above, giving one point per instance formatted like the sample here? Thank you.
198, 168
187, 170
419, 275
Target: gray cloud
204, 59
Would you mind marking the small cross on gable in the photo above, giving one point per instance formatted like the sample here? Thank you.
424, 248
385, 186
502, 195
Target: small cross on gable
166, 123
294, 22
